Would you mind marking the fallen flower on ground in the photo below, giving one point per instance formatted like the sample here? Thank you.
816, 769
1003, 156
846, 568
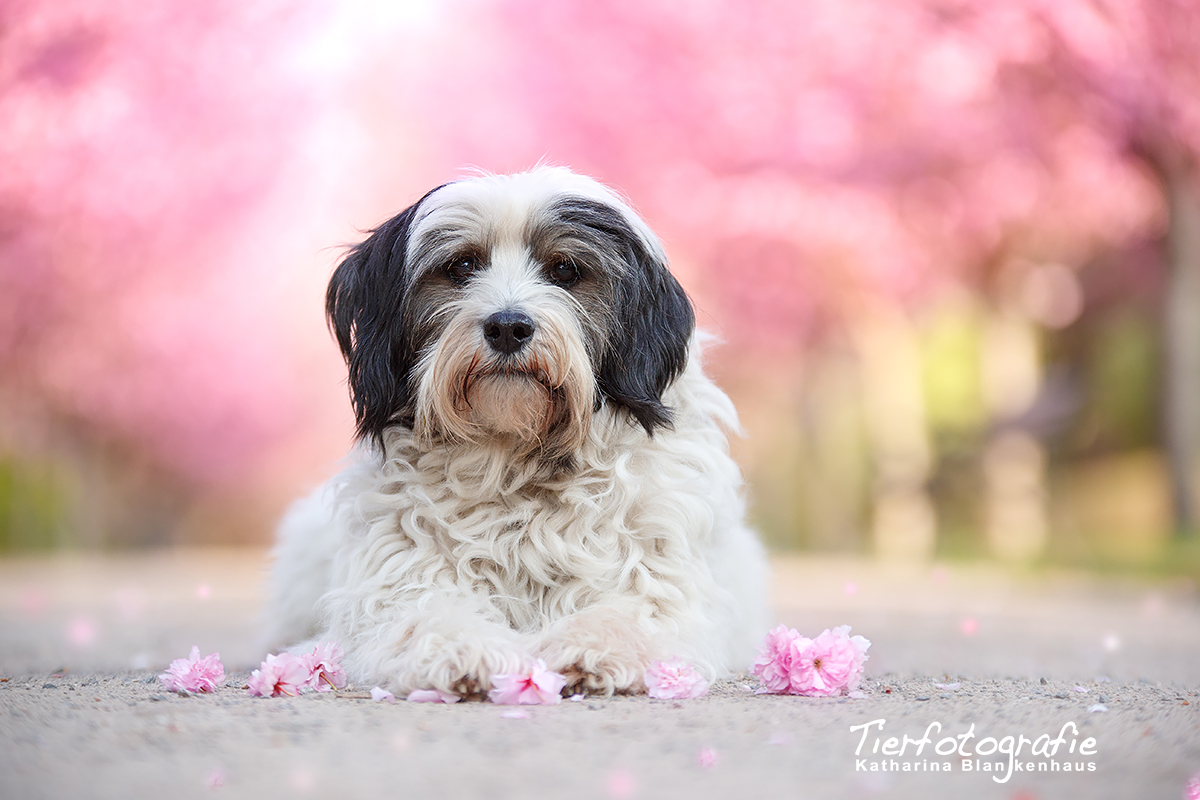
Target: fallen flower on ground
280, 675
194, 674
707, 757
828, 665
431, 696
325, 667
773, 666
675, 680
536, 686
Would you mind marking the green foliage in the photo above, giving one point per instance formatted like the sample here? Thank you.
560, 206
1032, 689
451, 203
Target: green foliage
950, 373
1123, 373
33, 504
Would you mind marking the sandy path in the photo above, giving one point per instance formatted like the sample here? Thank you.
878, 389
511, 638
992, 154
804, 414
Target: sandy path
81, 714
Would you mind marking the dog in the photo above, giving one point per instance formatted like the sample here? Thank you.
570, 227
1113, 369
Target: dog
542, 467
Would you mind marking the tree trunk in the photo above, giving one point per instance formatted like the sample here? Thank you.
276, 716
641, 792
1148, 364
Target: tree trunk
1181, 340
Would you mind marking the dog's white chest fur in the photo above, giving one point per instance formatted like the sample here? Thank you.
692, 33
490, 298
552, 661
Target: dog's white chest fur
550, 476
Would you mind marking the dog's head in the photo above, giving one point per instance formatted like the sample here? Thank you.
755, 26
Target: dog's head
510, 307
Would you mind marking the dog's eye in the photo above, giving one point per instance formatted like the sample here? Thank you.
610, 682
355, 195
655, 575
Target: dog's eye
460, 268
563, 272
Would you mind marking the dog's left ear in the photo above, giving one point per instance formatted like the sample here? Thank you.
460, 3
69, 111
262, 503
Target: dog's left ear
647, 350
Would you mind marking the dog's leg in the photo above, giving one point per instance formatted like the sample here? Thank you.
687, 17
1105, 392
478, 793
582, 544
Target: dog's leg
301, 571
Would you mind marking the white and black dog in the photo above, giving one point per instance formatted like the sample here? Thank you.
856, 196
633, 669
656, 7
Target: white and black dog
543, 470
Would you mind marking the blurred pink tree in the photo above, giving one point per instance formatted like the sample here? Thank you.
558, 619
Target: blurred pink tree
136, 143
812, 155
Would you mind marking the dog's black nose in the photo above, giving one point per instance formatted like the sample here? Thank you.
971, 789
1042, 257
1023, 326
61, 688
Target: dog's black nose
507, 331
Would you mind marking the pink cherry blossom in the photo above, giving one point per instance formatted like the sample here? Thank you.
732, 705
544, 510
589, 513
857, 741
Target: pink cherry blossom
707, 757
279, 675
431, 696
325, 668
536, 686
774, 663
828, 665
675, 680
514, 714
194, 674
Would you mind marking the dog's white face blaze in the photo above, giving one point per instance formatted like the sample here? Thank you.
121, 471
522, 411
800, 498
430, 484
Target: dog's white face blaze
470, 391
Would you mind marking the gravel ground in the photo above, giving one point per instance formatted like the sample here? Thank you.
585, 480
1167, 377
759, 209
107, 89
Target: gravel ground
983, 652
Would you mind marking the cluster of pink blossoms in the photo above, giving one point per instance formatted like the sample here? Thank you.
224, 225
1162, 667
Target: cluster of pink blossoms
290, 674
536, 686
828, 665
194, 674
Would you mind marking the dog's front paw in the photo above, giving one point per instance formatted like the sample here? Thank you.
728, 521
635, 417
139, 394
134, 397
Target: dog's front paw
465, 666
598, 651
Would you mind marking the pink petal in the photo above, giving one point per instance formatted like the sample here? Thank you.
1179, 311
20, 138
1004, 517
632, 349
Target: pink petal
620, 784
431, 696
382, 695
1191, 791
215, 778
707, 757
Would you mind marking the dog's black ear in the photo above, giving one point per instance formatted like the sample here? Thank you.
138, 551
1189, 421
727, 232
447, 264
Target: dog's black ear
647, 349
364, 307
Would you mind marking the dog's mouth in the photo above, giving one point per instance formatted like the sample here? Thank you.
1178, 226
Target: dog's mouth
532, 369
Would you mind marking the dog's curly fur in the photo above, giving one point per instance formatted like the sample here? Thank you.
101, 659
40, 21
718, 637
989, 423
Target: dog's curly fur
566, 495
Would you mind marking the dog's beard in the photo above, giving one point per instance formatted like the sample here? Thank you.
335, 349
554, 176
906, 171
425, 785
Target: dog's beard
536, 402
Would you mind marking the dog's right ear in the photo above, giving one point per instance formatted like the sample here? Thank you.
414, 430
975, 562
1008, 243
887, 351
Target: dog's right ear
364, 307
